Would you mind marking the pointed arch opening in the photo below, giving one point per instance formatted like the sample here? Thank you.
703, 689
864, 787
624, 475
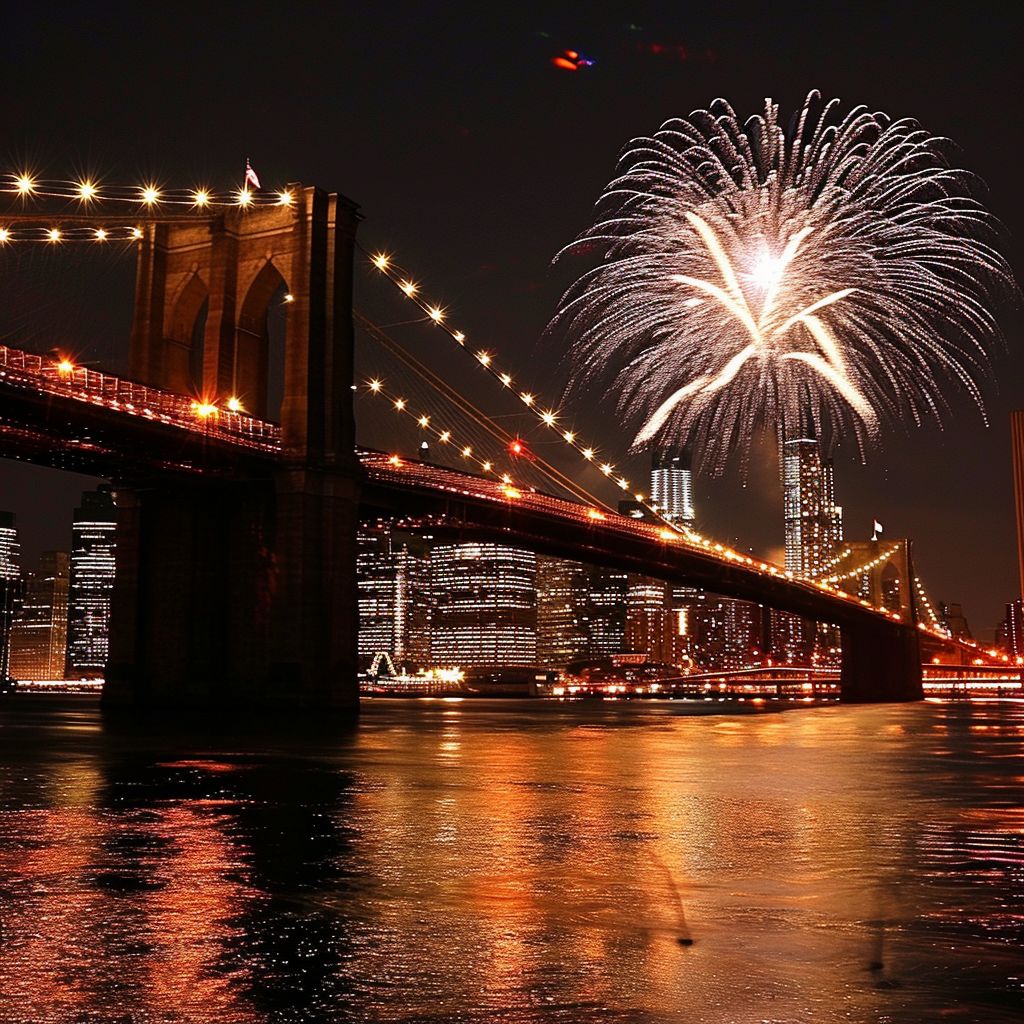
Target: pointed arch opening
183, 348
258, 366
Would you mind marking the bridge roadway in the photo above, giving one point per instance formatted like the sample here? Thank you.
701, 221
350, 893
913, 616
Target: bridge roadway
445, 502
96, 423
82, 420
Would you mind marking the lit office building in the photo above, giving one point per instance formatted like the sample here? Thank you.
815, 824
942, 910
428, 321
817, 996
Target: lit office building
394, 600
729, 634
91, 584
672, 493
952, 618
605, 613
40, 632
814, 529
483, 605
562, 591
814, 523
1011, 632
10, 586
672, 487
648, 618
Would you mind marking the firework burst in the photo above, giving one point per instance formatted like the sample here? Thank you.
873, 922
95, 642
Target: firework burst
827, 278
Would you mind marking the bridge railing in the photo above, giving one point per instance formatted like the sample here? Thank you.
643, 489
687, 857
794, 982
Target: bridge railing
42, 374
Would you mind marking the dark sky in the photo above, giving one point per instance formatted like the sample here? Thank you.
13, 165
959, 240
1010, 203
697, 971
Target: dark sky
475, 160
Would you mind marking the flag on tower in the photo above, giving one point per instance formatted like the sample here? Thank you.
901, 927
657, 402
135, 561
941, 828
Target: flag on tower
250, 175
878, 530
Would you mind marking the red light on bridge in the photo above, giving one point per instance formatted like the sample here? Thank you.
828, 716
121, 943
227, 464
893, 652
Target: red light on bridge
65, 366
518, 448
204, 410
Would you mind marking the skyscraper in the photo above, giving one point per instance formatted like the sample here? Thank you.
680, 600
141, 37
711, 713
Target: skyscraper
483, 605
814, 529
10, 586
672, 487
40, 632
92, 582
1012, 629
562, 592
394, 595
648, 618
605, 612
814, 523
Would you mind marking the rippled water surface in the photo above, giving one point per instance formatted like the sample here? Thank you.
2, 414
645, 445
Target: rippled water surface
515, 861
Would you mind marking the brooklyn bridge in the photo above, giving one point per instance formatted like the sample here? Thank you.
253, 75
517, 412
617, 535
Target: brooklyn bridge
236, 536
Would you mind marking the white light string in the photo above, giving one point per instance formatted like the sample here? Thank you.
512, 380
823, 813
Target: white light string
149, 196
548, 416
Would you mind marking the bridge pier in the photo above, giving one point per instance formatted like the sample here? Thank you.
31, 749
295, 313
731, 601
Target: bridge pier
236, 595
881, 663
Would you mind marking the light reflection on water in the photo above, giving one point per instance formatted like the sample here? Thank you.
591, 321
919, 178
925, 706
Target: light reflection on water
515, 862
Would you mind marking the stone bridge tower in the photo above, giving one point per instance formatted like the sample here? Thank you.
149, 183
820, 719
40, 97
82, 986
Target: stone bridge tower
240, 592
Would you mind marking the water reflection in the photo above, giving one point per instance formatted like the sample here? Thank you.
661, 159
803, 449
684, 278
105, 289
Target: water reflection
515, 862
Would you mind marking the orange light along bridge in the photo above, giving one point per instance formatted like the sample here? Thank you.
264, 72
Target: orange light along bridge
236, 536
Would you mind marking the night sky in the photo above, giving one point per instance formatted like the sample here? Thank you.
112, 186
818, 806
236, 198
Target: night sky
475, 159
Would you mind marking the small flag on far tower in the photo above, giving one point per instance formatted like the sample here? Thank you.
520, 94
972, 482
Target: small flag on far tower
250, 175
878, 530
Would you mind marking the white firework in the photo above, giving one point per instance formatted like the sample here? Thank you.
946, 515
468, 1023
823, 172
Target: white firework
821, 279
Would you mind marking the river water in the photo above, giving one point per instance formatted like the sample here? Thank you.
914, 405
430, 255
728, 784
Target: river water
515, 861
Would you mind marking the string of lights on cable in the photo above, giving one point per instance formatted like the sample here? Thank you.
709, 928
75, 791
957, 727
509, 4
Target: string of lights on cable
147, 195
547, 416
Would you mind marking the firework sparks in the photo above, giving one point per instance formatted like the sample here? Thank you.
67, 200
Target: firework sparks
827, 278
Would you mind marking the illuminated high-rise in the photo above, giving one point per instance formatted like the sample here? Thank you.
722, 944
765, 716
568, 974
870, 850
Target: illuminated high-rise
562, 592
40, 631
483, 605
91, 584
814, 523
648, 618
10, 586
723, 633
672, 487
1012, 629
672, 493
605, 612
394, 600
814, 529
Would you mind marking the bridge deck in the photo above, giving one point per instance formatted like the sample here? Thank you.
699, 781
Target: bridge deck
78, 418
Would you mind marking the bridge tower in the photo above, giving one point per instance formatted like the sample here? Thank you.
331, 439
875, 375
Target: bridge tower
240, 592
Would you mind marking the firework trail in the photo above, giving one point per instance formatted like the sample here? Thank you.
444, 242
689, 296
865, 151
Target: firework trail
827, 278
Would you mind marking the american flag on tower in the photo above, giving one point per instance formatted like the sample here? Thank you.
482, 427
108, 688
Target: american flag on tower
250, 175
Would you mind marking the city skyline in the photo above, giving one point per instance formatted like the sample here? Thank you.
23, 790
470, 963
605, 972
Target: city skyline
534, 196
